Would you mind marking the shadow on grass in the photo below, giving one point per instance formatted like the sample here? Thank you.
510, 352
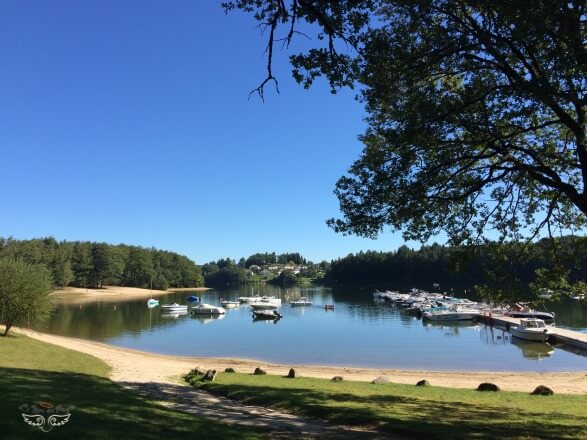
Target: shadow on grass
412, 416
101, 409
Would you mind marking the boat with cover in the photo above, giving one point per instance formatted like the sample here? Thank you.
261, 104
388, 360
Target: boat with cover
175, 307
193, 298
531, 329
521, 310
303, 301
153, 303
266, 314
207, 309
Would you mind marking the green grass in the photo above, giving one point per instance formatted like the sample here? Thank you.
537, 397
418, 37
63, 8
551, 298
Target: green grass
426, 413
33, 371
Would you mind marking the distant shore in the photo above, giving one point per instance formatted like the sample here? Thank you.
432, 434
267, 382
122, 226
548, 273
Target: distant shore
79, 295
138, 366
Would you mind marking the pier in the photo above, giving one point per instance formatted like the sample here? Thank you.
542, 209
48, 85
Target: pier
563, 336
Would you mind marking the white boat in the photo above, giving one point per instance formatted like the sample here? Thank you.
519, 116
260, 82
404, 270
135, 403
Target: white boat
531, 329
229, 304
153, 302
249, 299
267, 303
174, 308
521, 310
451, 314
303, 301
207, 309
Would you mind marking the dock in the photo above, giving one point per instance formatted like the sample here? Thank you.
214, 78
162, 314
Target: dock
570, 338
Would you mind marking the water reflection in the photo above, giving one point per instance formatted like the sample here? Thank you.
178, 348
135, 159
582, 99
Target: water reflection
533, 350
359, 332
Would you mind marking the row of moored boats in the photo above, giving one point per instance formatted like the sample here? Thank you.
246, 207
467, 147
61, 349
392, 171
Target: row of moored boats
441, 307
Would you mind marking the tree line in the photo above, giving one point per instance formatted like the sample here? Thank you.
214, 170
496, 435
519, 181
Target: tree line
91, 264
497, 264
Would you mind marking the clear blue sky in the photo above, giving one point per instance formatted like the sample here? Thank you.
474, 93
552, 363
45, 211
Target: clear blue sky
129, 122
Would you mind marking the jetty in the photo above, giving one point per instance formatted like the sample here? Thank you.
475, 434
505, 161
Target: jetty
562, 336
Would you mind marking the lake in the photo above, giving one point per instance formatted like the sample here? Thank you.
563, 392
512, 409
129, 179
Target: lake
359, 333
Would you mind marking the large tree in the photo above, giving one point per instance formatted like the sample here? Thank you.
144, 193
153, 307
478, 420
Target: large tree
476, 110
24, 293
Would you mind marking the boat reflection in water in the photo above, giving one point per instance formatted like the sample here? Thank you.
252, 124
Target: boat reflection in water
206, 319
533, 350
173, 314
451, 328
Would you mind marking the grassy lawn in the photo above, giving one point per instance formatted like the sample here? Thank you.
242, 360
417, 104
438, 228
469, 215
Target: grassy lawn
33, 371
426, 413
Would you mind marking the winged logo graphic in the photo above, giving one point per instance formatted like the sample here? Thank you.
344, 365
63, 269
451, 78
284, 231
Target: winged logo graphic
48, 417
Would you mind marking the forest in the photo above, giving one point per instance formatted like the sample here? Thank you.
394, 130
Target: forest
90, 264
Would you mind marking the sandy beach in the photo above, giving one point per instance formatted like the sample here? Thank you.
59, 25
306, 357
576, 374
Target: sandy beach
80, 295
136, 366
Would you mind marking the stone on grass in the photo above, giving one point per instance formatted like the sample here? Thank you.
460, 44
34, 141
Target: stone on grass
423, 383
229, 370
337, 379
291, 374
542, 390
486, 386
197, 372
209, 376
259, 371
380, 380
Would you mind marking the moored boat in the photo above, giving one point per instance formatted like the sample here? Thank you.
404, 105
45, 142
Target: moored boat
523, 311
303, 301
266, 302
153, 302
266, 314
531, 329
451, 314
229, 304
207, 309
174, 308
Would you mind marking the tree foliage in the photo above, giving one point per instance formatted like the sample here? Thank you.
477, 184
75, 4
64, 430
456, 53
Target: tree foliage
24, 293
86, 264
475, 110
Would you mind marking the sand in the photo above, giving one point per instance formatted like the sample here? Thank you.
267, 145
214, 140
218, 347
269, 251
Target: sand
77, 295
136, 366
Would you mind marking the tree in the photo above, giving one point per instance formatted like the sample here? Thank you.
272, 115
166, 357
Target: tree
475, 110
24, 293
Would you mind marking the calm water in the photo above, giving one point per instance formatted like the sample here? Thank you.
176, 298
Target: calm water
359, 332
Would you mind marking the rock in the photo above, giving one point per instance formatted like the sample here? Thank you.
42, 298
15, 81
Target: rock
229, 370
337, 379
292, 373
486, 386
259, 371
542, 390
423, 383
209, 376
380, 380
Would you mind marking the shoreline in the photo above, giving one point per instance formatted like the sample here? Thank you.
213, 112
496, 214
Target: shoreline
80, 295
130, 365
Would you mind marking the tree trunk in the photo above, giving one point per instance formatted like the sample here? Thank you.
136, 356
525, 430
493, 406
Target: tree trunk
8, 325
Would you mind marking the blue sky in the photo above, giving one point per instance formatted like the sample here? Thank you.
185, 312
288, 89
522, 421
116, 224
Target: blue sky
130, 122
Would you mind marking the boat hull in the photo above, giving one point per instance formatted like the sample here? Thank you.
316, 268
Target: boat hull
539, 336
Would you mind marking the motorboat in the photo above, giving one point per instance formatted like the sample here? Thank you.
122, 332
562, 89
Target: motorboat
523, 311
229, 304
303, 301
193, 298
153, 303
249, 299
451, 314
266, 314
207, 309
531, 329
267, 303
174, 308
328, 306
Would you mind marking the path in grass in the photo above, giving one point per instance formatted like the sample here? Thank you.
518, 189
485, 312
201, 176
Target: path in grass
158, 378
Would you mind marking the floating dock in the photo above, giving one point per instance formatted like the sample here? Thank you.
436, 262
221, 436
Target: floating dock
559, 335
